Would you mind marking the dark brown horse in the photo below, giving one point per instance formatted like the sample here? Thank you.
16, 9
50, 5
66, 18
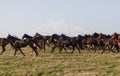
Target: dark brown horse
114, 36
108, 45
56, 42
79, 39
115, 42
90, 42
118, 50
39, 42
18, 44
3, 42
63, 42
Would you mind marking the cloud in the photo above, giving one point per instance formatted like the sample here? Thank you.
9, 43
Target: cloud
47, 28
59, 27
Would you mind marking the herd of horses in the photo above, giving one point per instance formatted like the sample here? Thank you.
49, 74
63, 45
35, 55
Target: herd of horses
94, 42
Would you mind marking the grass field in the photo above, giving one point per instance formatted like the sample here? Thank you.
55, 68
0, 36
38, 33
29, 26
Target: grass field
86, 63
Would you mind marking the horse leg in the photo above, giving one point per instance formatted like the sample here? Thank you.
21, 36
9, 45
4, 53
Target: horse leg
95, 48
80, 46
60, 49
52, 49
38, 46
21, 52
65, 50
35, 50
48, 44
73, 50
103, 49
89, 47
44, 47
3, 50
15, 52
110, 48
78, 49
117, 48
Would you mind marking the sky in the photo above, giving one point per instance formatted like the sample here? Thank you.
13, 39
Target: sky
71, 17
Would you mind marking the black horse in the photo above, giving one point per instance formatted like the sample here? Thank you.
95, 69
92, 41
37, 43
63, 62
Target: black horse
53, 39
26, 36
70, 42
54, 42
62, 42
18, 44
3, 42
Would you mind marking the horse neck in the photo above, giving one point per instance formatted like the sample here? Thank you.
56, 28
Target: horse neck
38, 36
55, 37
12, 39
47, 37
114, 36
27, 36
16, 38
65, 37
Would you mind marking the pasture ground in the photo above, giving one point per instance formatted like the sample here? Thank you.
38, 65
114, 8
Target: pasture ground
86, 63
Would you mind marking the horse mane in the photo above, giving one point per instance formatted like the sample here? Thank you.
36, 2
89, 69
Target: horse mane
16, 37
37, 34
27, 35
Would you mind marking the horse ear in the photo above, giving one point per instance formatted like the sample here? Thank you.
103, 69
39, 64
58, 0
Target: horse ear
8, 34
37, 33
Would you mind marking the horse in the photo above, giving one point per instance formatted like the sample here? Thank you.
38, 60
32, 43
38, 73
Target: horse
53, 39
70, 42
95, 35
114, 36
79, 39
3, 42
115, 39
40, 41
64, 42
100, 39
39, 36
18, 44
118, 50
90, 41
108, 45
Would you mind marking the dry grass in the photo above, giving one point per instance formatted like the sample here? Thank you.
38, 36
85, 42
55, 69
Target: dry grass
46, 64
